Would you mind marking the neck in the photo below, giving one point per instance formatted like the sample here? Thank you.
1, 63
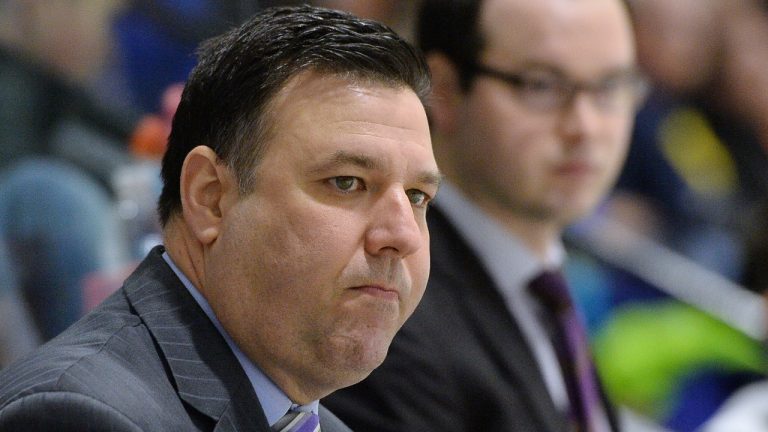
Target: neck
540, 236
539, 233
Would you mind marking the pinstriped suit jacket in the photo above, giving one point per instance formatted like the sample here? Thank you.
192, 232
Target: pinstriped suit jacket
147, 359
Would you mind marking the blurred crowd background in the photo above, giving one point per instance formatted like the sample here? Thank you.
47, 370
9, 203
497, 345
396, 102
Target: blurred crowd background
672, 271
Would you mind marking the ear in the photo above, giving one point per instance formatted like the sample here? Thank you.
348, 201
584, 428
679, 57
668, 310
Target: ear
205, 183
446, 94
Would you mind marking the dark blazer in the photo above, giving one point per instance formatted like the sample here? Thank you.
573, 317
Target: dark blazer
460, 363
147, 359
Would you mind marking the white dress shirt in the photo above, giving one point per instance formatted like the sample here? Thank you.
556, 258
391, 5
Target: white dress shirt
511, 266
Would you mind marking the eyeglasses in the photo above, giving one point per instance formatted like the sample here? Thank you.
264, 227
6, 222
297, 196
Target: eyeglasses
549, 91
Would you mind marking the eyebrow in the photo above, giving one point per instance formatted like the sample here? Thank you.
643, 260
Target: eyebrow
549, 68
342, 158
433, 178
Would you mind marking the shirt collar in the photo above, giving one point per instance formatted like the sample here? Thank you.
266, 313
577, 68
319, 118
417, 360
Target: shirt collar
274, 401
495, 245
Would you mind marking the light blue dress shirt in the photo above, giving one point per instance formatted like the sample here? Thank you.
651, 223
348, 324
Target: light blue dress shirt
273, 401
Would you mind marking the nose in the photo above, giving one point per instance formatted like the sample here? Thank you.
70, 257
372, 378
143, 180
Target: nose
580, 119
394, 228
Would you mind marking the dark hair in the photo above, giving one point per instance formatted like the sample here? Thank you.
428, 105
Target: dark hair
225, 101
451, 28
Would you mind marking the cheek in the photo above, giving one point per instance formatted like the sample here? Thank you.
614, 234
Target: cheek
495, 145
301, 251
319, 237
510, 135
311, 247
418, 267
276, 256
617, 144
520, 157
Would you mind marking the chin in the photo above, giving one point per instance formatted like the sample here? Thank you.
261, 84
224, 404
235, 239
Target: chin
577, 207
350, 370
358, 355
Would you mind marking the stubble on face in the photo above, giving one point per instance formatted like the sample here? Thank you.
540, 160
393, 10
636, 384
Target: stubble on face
357, 333
299, 289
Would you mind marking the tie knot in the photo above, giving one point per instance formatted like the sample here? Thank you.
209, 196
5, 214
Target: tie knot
551, 289
298, 421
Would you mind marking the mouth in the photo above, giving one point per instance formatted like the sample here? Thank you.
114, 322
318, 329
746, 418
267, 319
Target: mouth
379, 291
575, 169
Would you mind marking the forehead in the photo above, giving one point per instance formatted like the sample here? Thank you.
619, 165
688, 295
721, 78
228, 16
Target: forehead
579, 37
315, 114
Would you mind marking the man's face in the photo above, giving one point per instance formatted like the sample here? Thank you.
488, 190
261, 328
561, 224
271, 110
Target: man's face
550, 165
318, 267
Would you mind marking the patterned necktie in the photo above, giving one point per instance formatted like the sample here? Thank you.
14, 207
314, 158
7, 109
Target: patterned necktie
298, 421
571, 346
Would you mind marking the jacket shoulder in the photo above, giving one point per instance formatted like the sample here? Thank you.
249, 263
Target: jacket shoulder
108, 359
95, 334
64, 412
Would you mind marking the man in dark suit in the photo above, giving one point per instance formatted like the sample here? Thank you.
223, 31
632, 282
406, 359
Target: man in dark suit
296, 181
533, 106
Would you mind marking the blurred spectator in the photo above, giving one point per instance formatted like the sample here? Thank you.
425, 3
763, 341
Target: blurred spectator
744, 89
18, 334
72, 75
697, 160
695, 179
58, 225
55, 212
532, 108
72, 39
53, 58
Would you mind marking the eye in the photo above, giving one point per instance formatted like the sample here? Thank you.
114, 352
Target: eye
540, 83
615, 90
610, 86
347, 183
418, 198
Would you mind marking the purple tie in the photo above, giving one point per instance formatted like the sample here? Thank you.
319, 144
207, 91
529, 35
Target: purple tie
570, 342
298, 421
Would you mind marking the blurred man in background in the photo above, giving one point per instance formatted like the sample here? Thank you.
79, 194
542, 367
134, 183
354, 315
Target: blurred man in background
531, 115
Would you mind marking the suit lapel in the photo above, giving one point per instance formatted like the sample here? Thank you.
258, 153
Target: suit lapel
206, 373
453, 260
